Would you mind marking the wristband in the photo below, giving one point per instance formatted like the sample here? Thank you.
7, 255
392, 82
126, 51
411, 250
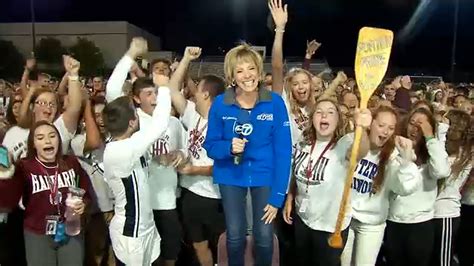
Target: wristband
279, 30
429, 138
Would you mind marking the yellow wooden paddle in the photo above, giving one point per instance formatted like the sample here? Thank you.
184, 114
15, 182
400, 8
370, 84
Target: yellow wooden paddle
372, 56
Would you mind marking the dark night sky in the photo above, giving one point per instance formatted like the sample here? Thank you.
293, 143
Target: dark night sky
221, 23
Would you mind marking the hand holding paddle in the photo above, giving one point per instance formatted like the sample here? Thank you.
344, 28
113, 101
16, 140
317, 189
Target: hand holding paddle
373, 53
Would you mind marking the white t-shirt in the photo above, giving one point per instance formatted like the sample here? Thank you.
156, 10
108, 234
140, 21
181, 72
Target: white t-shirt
318, 198
196, 134
16, 139
448, 202
163, 180
92, 163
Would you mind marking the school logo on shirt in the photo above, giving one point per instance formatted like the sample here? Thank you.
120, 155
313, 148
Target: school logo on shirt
20, 149
309, 171
368, 170
42, 183
301, 121
195, 141
161, 146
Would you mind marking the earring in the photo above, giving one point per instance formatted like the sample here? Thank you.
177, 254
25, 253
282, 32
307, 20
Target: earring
233, 83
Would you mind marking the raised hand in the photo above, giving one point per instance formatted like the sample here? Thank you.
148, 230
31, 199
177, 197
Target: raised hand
138, 47
405, 148
397, 82
341, 76
425, 127
192, 53
363, 118
136, 71
30, 64
279, 13
71, 65
406, 82
312, 47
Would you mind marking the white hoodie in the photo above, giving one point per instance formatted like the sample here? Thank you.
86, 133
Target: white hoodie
419, 206
401, 178
448, 202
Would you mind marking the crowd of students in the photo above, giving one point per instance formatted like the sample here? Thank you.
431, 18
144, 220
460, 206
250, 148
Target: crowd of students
165, 159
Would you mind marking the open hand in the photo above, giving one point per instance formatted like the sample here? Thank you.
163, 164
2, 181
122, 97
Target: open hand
312, 47
279, 13
270, 213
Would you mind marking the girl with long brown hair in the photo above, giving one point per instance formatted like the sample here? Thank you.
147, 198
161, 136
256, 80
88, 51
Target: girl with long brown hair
43, 180
318, 177
448, 203
387, 169
410, 230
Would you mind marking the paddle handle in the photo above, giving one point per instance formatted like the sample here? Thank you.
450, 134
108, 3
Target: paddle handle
335, 240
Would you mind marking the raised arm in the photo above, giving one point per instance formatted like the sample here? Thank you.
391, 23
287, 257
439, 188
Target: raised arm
403, 177
280, 17
311, 48
29, 66
71, 114
339, 80
438, 163
63, 84
93, 137
444, 89
23, 117
138, 47
178, 99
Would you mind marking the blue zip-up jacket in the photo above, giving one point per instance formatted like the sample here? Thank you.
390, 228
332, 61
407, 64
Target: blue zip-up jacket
266, 159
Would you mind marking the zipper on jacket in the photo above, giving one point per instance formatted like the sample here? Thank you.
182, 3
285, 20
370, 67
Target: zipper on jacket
250, 176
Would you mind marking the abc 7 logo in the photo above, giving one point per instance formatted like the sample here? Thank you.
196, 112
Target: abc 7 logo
244, 129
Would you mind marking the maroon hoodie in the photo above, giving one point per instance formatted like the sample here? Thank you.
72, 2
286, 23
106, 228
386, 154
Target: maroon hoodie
30, 181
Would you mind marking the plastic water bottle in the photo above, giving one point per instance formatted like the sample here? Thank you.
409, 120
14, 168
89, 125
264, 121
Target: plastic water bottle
73, 220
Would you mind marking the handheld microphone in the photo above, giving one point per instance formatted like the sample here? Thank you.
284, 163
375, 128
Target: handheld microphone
243, 129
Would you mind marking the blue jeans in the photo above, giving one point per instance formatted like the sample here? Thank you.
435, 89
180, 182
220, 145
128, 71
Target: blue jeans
233, 201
